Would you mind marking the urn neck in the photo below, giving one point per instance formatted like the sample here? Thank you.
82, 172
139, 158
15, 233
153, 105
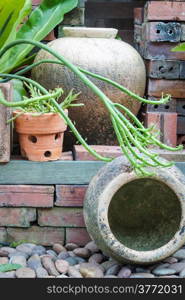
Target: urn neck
90, 32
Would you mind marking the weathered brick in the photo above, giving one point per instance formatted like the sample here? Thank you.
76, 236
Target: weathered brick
3, 234
79, 236
137, 36
17, 217
181, 125
171, 106
50, 36
181, 107
57, 216
5, 113
166, 123
164, 11
173, 87
182, 70
163, 69
26, 195
138, 15
109, 151
70, 195
162, 32
74, 17
45, 236
67, 155
181, 140
162, 50
182, 32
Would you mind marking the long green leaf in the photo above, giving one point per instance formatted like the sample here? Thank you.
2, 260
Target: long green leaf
41, 21
12, 12
179, 48
9, 267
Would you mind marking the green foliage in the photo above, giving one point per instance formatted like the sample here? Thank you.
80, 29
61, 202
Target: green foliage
9, 267
40, 22
179, 48
17, 243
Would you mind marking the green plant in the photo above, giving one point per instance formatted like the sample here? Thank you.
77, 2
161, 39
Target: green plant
9, 267
40, 22
128, 133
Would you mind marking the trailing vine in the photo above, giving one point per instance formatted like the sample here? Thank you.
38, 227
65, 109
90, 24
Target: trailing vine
129, 134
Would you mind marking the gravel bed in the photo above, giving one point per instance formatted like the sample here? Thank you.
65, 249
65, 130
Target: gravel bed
82, 262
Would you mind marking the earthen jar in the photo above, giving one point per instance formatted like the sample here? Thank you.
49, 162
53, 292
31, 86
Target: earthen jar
40, 135
134, 219
96, 50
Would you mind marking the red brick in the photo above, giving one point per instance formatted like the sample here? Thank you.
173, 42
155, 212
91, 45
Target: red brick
181, 125
175, 88
162, 32
67, 155
166, 123
50, 36
162, 50
26, 195
17, 217
3, 234
109, 151
70, 195
57, 216
165, 11
79, 236
45, 236
138, 15
181, 140
5, 114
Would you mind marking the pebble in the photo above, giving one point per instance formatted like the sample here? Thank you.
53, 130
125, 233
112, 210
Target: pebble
182, 273
39, 250
110, 276
162, 266
170, 260
163, 272
142, 275
71, 253
62, 276
8, 249
108, 264
34, 262
20, 260
96, 257
41, 272
180, 254
3, 253
4, 260
10, 274
52, 254
79, 259
124, 273
71, 246
71, 260
82, 252
73, 272
142, 270
26, 248
92, 247
25, 273
18, 253
89, 270
178, 267
59, 248
62, 266
63, 255
49, 265
113, 270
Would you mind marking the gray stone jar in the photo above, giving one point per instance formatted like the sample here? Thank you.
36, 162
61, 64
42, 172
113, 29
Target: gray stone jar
138, 220
96, 50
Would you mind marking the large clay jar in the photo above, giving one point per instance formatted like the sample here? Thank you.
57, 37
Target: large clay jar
96, 50
136, 220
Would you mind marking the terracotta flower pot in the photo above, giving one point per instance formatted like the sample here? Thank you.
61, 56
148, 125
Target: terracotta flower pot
40, 136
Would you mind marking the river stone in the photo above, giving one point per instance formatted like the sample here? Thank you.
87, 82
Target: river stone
52, 253
178, 267
59, 248
89, 270
40, 250
4, 260
168, 276
8, 249
71, 246
164, 272
73, 272
170, 260
182, 273
110, 276
25, 273
62, 276
26, 248
71, 260
96, 257
141, 270
71, 253
49, 265
82, 252
34, 262
18, 253
63, 255
180, 254
92, 247
141, 275
10, 274
3, 253
20, 260
124, 272
61, 265
113, 270
162, 266
41, 272
108, 264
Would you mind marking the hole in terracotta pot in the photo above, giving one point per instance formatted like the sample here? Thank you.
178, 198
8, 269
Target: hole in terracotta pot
47, 153
57, 136
144, 214
32, 138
